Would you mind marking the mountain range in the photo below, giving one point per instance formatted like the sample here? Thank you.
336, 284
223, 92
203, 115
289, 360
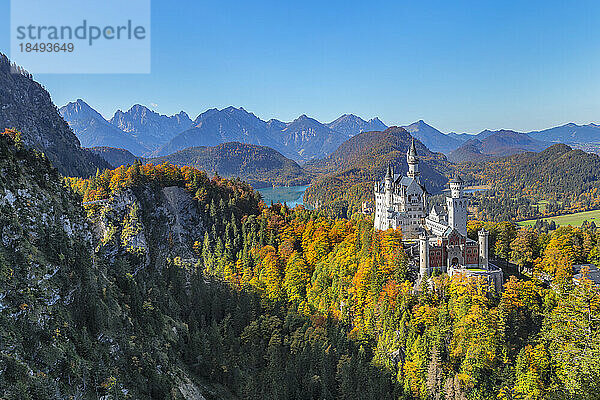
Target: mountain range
149, 127
144, 132
93, 130
215, 126
350, 125
492, 144
569, 133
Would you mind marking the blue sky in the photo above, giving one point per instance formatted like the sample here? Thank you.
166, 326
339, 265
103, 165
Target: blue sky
461, 66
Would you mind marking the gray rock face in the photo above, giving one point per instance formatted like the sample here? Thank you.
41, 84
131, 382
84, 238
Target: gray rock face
93, 130
189, 391
26, 106
214, 127
39, 218
138, 221
183, 216
148, 127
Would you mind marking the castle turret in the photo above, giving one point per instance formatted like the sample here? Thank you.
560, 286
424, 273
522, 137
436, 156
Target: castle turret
457, 206
413, 161
388, 187
456, 187
483, 248
423, 254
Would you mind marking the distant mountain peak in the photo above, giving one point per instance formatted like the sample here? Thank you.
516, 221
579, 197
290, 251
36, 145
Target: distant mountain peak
81, 108
432, 138
79, 103
305, 119
347, 117
351, 124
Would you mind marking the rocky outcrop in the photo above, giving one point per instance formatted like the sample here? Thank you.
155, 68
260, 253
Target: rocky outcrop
27, 107
153, 224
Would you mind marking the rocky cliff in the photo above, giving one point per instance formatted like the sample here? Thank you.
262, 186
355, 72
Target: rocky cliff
91, 298
27, 107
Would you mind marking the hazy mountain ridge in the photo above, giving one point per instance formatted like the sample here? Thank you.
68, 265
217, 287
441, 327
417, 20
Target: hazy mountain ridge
145, 132
138, 130
569, 133
303, 139
489, 144
214, 127
309, 138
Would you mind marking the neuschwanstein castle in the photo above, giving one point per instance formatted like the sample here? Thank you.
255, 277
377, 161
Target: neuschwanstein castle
437, 240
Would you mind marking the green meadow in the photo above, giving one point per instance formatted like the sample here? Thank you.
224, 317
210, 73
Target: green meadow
575, 219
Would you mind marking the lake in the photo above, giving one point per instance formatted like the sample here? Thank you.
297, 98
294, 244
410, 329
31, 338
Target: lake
291, 195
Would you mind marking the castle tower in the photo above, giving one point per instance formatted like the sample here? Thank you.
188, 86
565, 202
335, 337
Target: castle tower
456, 187
483, 248
413, 162
388, 187
457, 206
423, 254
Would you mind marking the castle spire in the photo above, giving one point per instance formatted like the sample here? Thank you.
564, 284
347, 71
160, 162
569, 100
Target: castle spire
412, 150
412, 159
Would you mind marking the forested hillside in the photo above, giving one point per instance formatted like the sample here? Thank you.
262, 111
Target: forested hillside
115, 156
562, 179
169, 284
348, 174
120, 304
491, 144
258, 165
